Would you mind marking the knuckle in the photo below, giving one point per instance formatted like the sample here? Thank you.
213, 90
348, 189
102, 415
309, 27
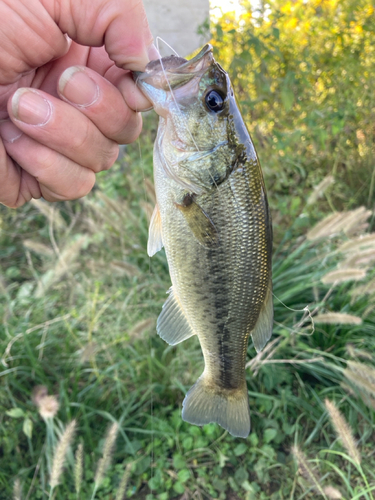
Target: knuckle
108, 156
81, 141
133, 129
85, 186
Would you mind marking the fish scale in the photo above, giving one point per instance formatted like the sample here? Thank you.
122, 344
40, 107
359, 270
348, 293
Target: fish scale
212, 218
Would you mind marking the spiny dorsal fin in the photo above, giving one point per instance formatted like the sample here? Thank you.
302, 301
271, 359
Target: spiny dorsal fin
172, 325
263, 328
155, 242
198, 221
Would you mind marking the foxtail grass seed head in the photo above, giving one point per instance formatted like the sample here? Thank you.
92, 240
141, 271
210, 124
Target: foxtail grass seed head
361, 243
48, 407
121, 492
342, 275
362, 369
343, 431
60, 453
65, 263
140, 328
333, 318
361, 382
51, 212
361, 260
306, 470
353, 352
328, 227
78, 468
108, 447
332, 493
367, 289
350, 223
38, 248
17, 490
320, 189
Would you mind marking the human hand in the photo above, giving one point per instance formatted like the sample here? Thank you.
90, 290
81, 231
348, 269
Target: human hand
74, 104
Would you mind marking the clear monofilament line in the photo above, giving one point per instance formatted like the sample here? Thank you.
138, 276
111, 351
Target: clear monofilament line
175, 101
170, 88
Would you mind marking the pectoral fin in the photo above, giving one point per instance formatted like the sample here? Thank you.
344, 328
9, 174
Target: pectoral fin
263, 328
172, 325
199, 222
155, 242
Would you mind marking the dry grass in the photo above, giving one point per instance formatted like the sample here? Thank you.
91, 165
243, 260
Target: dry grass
60, 453
307, 471
334, 318
343, 431
108, 448
342, 275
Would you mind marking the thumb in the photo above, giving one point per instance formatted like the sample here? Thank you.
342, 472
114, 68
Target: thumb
121, 25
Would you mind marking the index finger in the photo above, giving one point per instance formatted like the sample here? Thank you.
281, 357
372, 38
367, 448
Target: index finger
121, 25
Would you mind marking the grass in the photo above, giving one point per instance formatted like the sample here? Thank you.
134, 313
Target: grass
79, 302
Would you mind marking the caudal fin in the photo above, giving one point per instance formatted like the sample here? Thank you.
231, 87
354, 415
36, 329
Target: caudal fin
205, 403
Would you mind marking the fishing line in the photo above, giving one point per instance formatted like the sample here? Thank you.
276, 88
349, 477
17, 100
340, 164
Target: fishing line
178, 107
302, 321
150, 338
180, 112
167, 44
172, 94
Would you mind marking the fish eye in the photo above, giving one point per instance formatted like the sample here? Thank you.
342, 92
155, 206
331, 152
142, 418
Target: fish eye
214, 101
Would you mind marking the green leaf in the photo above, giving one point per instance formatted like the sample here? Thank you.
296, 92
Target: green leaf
240, 449
178, 461
154, 483
254, 440
269, 435
187, 443
247, 486
15, 413
241, 475
28, 427
183, 475
163, 496
179, 487
219, 484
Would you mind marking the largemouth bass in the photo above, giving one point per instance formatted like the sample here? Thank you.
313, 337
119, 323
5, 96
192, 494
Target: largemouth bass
213, 219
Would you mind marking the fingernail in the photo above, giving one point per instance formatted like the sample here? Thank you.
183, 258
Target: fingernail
78, 88
153, 53
9, 132
30, 107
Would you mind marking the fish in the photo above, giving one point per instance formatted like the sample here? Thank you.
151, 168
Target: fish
213, 219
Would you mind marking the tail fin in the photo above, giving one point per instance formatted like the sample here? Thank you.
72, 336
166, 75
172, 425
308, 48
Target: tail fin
205, 403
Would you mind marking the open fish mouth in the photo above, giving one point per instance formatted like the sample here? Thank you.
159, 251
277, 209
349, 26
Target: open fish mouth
169, 73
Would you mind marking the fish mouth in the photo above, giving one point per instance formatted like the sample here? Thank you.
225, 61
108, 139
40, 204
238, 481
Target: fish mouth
172, 72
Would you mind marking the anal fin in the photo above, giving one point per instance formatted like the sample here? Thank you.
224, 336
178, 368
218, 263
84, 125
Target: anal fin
172, 325
263, 328
155, 242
